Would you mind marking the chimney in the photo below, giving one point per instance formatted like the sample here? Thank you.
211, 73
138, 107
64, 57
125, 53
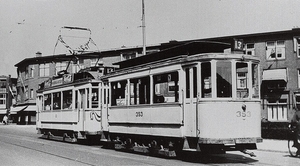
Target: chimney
38, 54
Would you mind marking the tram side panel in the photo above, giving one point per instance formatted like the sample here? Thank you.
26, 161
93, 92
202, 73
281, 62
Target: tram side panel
238, 121
60, 119
153, 121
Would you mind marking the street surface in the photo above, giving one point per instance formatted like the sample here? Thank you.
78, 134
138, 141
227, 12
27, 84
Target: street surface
20, 145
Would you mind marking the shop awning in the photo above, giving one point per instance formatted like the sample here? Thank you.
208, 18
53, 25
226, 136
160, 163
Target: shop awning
3, 111
274, 75
14, 110
31, 108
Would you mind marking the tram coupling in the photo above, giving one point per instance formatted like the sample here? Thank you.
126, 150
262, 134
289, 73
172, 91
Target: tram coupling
245, 151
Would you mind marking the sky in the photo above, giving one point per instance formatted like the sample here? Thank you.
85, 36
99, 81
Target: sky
29, 26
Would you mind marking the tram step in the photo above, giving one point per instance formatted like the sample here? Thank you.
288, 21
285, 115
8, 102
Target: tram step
167, 153
141, 149
59, 138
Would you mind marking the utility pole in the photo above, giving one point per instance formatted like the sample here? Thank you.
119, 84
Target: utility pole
143, 28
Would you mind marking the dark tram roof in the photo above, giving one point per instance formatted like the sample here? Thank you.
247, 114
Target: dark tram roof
84, 75
61, 57
191, 48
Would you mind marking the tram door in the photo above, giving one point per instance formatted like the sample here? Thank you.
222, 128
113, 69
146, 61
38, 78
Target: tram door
81, 108
190, 101
104, 106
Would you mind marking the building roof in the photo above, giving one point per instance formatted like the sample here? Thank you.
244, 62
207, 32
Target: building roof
285, 33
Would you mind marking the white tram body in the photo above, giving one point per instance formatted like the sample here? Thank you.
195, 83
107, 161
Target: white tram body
197, 101
70, 106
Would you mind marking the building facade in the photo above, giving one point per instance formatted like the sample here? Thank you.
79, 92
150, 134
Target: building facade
7, 94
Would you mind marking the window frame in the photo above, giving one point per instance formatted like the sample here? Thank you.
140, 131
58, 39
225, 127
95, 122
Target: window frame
44, 69
275, 48
274, 112
252, 49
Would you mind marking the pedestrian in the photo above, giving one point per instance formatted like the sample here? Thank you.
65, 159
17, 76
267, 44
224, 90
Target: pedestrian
5, 118
296, 122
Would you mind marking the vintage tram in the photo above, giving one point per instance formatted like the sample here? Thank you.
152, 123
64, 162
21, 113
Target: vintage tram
70, 106
185, 98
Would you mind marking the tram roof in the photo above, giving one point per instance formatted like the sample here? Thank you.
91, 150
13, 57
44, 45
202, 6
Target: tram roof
191, 48
60, 57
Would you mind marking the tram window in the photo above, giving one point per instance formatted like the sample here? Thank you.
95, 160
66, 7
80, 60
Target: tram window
255, 84
195, 82
187, 83
104, 96
47, 102
166, 87
87, 98
95, 98
67, 99
56, 101
118, 93
140, 91
144, 90
206, 80
134, 96
242, 78
224, 79
76, 99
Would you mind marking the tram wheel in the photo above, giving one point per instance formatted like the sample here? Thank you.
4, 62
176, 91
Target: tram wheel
292, 148
49, 135
128, 143
64, 137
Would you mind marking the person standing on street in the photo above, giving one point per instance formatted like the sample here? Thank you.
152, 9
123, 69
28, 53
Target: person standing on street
5, 118
296, 122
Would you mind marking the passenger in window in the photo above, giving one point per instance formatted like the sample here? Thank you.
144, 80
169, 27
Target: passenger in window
159, 99
94, 97
55, 105
48, 107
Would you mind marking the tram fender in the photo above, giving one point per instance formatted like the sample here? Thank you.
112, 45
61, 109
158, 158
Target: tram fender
191, 144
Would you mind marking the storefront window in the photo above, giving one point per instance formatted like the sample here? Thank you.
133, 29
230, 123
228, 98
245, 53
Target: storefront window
277, 108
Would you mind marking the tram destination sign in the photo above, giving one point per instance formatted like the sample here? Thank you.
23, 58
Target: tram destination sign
67, 78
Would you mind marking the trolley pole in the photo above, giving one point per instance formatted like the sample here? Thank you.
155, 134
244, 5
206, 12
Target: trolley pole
143, 28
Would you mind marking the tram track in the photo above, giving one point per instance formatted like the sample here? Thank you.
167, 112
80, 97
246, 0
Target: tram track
82, 154
48, 153
44, 145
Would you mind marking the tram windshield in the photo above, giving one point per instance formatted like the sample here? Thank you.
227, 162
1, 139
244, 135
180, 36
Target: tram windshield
244, 75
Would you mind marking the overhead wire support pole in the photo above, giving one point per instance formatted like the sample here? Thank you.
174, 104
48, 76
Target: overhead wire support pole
143, 28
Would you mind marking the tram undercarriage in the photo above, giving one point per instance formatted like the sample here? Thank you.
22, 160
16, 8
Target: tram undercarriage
171, 146
70, 136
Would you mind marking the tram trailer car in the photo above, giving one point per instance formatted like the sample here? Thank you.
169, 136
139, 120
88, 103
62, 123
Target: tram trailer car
70, 106
186, 99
